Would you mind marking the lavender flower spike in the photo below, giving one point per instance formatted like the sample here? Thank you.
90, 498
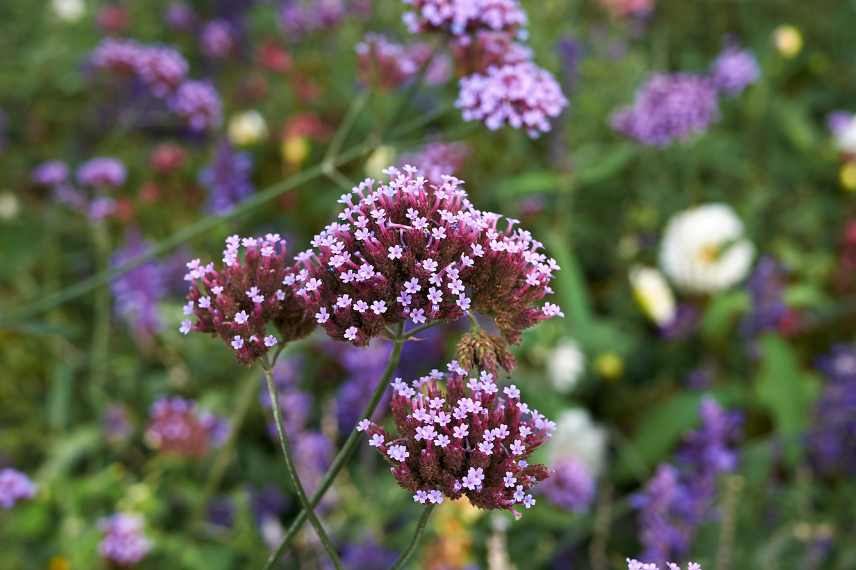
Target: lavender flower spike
734, 70
14, 487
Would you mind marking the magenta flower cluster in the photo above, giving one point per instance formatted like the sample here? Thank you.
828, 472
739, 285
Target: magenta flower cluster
467, 440
177, 426
734, 70
502, 86
102, 172
124, 542
250, 292
14, 487
413, 250
570, 486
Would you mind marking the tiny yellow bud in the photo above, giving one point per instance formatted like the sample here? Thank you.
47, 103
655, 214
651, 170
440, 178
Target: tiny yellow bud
609, 365
788, 40
847, 176
295, 149
59, 563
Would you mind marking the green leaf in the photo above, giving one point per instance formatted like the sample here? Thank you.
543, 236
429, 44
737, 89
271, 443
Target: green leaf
531, 183
785, 391
722, 313
612, 162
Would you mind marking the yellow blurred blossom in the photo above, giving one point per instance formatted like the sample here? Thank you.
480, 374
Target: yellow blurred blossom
380, 159
847, 176
609, 365
788, 40
295, 149
653, 294
59, 563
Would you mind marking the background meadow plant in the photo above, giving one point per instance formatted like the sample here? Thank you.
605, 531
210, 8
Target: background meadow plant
673, 179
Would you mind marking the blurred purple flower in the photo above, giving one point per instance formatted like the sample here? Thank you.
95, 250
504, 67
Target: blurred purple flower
198, 104
217, 39
299, 17
15, 486
124, 542
681, 496
177, 426
267, 502
221, 512
832, 439
180, 16
367, 554
838, 121
138, 291
162, 69
683, 324
116, 423
227, 178
52, 173
734, 70
766, 289
570, 53
435, 160
571, 486
102, 172
667, 108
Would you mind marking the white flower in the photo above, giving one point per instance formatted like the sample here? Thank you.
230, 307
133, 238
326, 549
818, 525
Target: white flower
247, 128
565, 365
845, 139
579, 437
704, 249
68, 10
653, 294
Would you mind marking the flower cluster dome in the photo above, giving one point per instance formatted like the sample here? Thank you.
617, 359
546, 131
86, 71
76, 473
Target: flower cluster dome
417, 251
466, 439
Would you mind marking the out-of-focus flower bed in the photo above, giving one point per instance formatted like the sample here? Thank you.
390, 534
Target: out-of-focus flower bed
529, 283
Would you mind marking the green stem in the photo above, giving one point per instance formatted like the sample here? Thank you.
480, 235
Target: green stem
245, 400
98, 356
292, 471
344, 454
414, 542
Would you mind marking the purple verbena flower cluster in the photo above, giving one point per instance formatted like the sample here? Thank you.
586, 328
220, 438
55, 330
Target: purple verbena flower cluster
734, 70
178, 427
434, 160
520, 95
15, 486
460, 17
238, 302
464, 440
832, 438
412, 250
570, 486
50, 174
102, 172
672, 107
501, 85
669, 107
217, 39
227, 178
299, 17
124, 542
198, 104
680, 497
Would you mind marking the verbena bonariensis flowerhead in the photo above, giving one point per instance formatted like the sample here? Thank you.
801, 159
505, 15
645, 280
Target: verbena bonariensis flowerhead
486, 49
437, 159
832, 439
466, 439
680, 497
177, 426
198, 104
227, 178
766, 290
250, 293
459, 17
162, 69
734, 70
570, 486
412, 250
117, 56
636, 565
15, 486
668, 108
51, 173
124, 542
217, 39
138, 291
102, 172
520, 95
299, 17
